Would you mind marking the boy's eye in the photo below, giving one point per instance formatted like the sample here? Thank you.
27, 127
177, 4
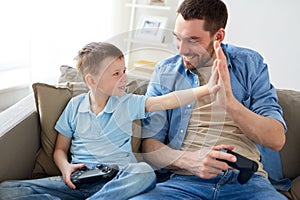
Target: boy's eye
116, 74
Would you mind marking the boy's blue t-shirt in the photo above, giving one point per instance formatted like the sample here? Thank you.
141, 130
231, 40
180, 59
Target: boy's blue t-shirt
105, 138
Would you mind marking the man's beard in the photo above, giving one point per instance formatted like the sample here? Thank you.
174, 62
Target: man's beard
205, 61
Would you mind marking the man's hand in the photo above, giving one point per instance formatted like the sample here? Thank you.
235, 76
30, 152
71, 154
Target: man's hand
224, 96
204, 164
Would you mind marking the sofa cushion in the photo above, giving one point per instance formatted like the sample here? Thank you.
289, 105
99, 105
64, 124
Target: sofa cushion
50, 102
294, 192
290, 103
69, 74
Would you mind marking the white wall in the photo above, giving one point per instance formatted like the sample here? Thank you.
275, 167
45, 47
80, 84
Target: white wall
272, 28
268, 26
59, 29
40, 36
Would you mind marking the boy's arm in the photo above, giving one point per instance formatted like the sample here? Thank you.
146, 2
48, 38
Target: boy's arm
61, 159
182, 97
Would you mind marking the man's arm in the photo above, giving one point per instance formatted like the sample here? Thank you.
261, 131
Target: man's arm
202, 163
263, 130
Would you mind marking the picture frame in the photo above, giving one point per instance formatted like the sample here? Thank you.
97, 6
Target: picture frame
157, 2
151, 28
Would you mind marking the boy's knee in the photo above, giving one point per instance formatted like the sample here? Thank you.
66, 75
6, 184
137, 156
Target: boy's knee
140, 168
7, 184
143, 172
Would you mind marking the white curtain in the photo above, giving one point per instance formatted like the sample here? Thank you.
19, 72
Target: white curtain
37, 37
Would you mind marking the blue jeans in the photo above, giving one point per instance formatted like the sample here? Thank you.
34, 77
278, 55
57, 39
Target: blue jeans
132, 180
224, 186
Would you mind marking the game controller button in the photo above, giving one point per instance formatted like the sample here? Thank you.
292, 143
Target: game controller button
255, 167
106, 169
99, 166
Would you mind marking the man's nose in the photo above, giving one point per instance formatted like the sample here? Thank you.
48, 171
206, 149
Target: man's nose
182, 47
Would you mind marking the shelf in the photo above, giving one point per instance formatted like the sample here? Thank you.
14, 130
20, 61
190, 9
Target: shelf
148, 6
137, 44
149, 43
139, 74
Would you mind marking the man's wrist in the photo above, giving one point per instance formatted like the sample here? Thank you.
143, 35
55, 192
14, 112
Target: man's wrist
232, 106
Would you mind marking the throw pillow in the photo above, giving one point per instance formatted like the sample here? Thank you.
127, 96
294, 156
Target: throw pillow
288, 100
69, 74
50, 102
136, 86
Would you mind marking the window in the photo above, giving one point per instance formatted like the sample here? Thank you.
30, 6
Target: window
37, 37
15, 45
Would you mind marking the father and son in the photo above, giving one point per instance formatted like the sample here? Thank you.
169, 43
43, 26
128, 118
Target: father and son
208, 97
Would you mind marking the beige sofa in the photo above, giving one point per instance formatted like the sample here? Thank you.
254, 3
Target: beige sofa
27, 135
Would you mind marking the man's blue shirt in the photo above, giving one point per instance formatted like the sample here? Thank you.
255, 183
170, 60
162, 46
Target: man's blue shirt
250, 85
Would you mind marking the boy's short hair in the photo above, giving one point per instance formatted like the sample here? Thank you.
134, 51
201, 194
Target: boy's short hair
213, 12
89, 58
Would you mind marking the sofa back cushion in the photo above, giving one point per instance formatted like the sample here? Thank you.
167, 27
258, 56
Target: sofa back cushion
50, 102
290, 103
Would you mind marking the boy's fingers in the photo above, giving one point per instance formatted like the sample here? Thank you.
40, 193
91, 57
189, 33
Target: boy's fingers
219, 52
216, 44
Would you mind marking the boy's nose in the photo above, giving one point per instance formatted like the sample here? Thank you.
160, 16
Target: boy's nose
124, 78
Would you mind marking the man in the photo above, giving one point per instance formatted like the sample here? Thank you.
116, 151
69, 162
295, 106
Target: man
187, 141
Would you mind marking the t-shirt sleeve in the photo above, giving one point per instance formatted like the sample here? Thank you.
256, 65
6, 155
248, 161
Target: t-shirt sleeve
64, 123
137, 106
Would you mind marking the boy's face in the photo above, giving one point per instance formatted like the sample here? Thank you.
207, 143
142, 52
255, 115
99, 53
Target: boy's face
195, 44
112, 79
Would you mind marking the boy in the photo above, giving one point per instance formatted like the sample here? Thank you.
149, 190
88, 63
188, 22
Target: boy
97, 126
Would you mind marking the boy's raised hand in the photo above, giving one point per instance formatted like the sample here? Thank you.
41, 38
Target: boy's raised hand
220, 64
213, 83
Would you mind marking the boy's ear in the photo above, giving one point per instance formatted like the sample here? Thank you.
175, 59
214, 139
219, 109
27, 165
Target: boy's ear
89, 79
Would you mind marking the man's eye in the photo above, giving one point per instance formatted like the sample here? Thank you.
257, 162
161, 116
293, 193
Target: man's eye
177, 38
192, 40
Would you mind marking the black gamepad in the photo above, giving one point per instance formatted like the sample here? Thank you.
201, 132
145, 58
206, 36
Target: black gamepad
246, 166
100, 173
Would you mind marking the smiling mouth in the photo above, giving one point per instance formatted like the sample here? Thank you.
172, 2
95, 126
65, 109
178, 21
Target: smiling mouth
188, 58
122, 87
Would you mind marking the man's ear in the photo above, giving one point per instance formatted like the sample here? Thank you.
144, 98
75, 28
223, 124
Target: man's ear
220, 35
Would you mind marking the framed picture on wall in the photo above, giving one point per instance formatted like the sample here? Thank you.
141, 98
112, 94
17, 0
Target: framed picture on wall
151, 28
157, 2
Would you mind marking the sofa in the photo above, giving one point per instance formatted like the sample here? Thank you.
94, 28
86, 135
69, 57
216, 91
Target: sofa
27, 136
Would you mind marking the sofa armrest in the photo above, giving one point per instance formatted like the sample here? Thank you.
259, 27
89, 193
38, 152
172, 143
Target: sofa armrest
19, 139
289, 100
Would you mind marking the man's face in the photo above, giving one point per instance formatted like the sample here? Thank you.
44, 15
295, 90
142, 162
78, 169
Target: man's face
195, 44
